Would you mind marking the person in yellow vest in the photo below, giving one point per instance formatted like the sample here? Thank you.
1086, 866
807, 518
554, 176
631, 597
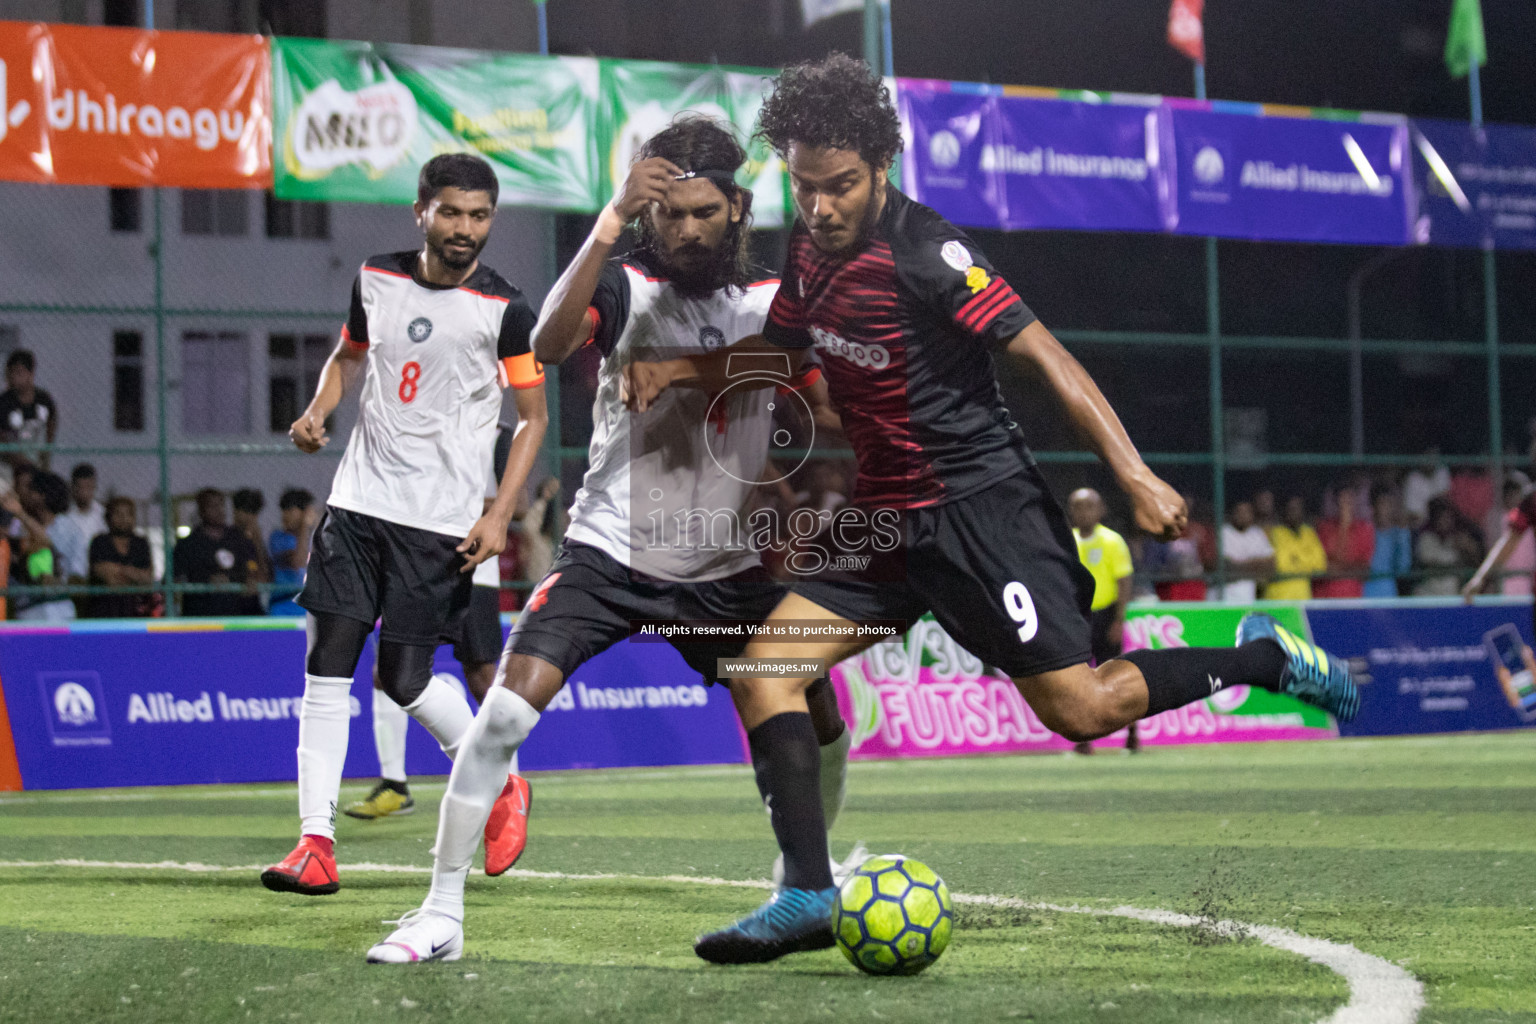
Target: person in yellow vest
1108, 558
1299, 554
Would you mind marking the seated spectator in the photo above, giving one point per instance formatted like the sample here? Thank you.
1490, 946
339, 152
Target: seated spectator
1444, 543
27, 412
1248, 554
1299, 554
46, 498
1350, 543
1264, 509
1392, 555
84, 510
288, 547
214, 552
120, 558
36, 563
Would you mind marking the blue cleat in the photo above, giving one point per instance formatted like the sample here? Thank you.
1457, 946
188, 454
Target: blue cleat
792, 921
1311, 674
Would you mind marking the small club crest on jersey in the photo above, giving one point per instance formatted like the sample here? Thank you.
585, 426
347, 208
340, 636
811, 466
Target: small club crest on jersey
419, 330
711, 337
957, 256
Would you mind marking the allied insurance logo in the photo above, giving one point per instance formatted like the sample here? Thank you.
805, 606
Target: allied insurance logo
1209, 166
944, 149
76, 709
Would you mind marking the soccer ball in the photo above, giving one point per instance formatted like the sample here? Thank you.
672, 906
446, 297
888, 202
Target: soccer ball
892, 916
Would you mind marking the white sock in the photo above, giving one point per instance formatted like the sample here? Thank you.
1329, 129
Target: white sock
479, 774
389, 724
513, 770
325, 717
834, 776
444, 711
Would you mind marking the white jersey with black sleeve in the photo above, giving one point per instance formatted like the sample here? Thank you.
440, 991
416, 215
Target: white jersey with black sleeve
669, 492
437, 360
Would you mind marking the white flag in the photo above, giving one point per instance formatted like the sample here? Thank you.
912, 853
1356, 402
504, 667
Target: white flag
816, 10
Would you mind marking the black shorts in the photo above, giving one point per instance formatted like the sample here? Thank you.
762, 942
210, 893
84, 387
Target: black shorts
589, 601
368, 569
479, 639
1098, 624
998, 569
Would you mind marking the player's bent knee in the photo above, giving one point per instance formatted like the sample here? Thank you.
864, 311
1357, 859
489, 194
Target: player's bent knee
404, 671
531, 678
1078, 703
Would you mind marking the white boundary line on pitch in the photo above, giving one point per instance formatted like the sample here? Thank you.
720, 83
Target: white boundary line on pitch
1380, 992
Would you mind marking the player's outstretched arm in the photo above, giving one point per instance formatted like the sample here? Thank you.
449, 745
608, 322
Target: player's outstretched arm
1493, 563
564, 322
488, 536
337, 377
1159, 508
751, 363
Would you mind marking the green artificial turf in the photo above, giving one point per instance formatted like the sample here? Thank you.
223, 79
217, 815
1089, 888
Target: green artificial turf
1420, 851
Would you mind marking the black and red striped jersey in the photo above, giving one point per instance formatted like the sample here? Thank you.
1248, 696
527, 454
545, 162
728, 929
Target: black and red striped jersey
906, 329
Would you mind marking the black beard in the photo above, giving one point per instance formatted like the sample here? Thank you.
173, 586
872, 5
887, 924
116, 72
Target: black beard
708, 277
454, 262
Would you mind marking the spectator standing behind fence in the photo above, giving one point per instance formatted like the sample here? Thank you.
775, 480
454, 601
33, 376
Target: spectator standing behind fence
120, 558
289, 548
28, 414
37, 562
84, 510
248, 503
1248, 554
1426, 482
214, 553
1105, 554
1392, 555
1350, 543
1299, 554
1179, 566
1444, 543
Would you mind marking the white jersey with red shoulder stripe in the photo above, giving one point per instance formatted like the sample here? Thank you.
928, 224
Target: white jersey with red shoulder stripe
669, 492
437, 360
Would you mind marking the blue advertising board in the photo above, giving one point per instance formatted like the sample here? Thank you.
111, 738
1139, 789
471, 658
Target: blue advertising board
989, 160
1478, 185
1289, 179
1424, 668
120, 705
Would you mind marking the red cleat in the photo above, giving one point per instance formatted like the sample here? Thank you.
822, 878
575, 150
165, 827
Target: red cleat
309, 870
506, 831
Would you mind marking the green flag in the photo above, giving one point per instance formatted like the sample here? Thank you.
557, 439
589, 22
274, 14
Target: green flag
1464, 42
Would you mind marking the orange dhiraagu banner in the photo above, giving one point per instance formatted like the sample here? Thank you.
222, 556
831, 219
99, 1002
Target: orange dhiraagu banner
126, 107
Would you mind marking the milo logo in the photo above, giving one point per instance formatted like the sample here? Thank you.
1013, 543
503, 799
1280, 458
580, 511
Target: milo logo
373, 126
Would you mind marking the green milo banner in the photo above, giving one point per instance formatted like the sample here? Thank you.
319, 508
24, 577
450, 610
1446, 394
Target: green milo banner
640, 97
355, 121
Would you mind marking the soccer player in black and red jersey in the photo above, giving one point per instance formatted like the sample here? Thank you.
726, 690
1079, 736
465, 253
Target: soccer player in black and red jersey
908, 317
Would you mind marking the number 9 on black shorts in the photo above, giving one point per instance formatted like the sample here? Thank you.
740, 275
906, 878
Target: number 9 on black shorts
998, 568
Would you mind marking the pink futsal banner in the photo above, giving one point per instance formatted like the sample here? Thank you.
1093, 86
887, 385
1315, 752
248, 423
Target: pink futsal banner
925, 696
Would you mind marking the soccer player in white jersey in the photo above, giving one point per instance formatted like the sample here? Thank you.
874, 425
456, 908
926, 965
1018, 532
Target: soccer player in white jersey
643, 542
432, 338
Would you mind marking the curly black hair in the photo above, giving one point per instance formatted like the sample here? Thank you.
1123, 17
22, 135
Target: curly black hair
836, 102
708, 147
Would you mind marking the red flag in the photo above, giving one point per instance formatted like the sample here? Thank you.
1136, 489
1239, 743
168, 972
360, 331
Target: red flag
1185, 32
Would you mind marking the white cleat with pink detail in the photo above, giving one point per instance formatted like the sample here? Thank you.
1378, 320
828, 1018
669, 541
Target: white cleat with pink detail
422, 935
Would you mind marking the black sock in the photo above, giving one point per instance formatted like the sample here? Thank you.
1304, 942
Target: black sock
398, 787
787, 761
1182, 675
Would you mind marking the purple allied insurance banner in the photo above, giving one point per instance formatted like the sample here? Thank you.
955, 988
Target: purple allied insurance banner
1288, 179
130, 703
986, 157
988, 160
